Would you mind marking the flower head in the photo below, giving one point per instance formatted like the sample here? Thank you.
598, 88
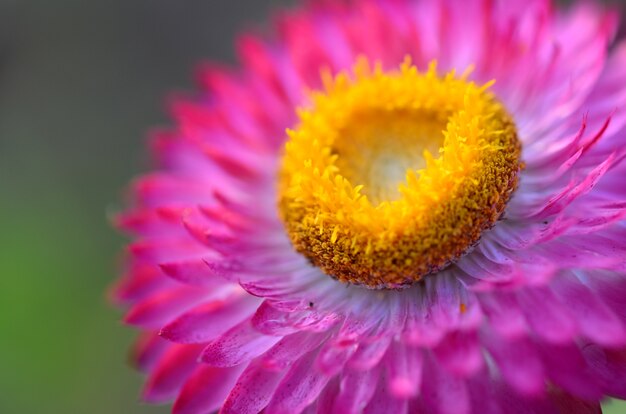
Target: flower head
393, 206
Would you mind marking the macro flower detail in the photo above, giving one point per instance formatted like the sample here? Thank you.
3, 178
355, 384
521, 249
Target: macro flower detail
391, 206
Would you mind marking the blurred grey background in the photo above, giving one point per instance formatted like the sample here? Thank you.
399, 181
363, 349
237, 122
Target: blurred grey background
80, 83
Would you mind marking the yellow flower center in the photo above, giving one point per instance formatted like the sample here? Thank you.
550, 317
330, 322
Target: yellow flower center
391, 176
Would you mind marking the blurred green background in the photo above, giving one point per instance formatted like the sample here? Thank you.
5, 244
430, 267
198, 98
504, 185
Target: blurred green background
80, 83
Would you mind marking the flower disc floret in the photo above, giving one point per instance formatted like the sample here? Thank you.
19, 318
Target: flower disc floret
391, 176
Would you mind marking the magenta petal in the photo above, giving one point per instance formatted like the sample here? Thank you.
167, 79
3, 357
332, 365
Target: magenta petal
333, 356
253, 390
356, 390
479, 267
420, 328
192, 272
210, 320
611, 288
171, 372
354, 329
567, 404
160, 188
595, 319
154, 251
556, 402
148, 350
518, 361
404, 365
290, 348
567, 368
609, 368
161, 308
369, 354
241, 344
504, 313
299, 388
272, 321
484, 394
547, 316
143, 222
326, 399
460, 353
206, 390
140, 281
382, 402
444, 393
575, 190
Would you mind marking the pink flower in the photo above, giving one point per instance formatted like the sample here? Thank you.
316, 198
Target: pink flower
374, 264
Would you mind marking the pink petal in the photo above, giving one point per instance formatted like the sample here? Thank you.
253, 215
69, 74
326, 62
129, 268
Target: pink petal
567, 368
518, 361
144, 222
480, 267
139, 283
160, 250
326, 399
299, 388
560, 201
460, 353
556, 402
369, 354
291, 348
356, 390
404, 375
210, 320
159, 188
546, 315
504, 313
568, 404
240, 344
171, 372
611, 288
595, 319
382, 402
148, 350
272, 321
484, 394
609, 369
444, 393
206, 389
161, 308
333, 355
253, 390
193, 272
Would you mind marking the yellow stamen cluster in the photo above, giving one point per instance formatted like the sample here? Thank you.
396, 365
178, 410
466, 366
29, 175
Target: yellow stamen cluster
391, 176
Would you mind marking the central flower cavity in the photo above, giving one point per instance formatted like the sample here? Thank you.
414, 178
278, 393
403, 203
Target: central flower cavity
391, 176
376, 149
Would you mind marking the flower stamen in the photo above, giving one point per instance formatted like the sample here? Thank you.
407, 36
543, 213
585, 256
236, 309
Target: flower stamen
391, 176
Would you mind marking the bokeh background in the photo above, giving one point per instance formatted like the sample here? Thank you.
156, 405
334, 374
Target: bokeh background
80, 83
